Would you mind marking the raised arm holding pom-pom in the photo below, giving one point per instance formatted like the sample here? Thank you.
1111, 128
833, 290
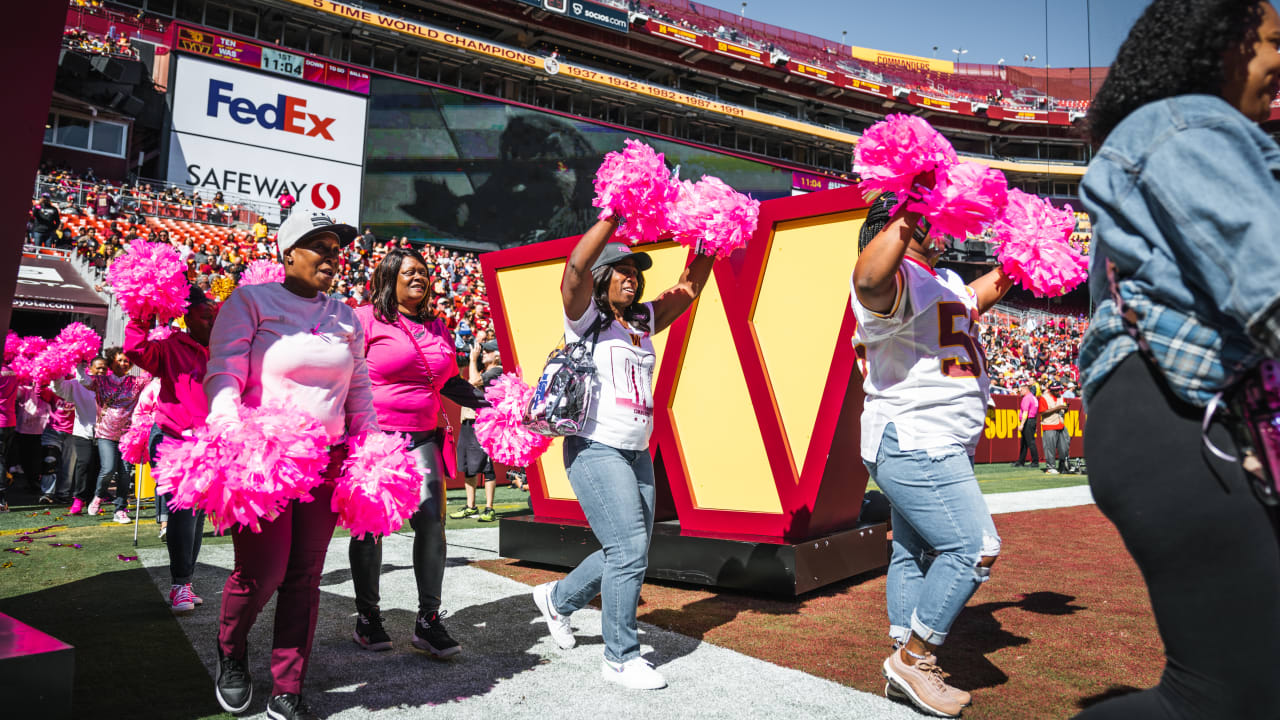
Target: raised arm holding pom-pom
608, 461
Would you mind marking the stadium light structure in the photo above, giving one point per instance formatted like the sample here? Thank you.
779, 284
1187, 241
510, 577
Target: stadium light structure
744, 9
959, 52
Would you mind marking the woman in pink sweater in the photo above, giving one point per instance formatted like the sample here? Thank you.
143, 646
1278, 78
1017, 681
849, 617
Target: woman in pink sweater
287, 342
411, 364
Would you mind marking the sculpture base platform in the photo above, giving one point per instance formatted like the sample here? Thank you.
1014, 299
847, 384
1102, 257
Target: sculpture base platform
762, 566
38, 670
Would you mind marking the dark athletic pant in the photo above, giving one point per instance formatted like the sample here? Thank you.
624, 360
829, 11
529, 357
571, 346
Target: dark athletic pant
1028, 438
84, 470
365, 553
186, 529
1206, 547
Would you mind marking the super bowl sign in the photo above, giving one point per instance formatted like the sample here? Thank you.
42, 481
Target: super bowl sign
254, 135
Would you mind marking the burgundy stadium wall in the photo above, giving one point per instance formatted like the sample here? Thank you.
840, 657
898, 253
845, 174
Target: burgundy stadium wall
34, 48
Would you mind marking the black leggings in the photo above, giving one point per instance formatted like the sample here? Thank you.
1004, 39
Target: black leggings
185, 531
1206, 547
1027, 448
365, 553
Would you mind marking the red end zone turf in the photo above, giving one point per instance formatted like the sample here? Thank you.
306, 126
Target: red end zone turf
1064, 620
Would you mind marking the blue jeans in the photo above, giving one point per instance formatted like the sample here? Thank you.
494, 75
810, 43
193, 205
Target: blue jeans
615, 489
941, 530
113, 464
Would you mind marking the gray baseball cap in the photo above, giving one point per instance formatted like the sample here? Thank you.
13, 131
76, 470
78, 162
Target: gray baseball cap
615, 252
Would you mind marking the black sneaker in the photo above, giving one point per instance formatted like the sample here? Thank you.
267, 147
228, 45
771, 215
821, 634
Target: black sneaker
288, 706
369, 633
234, 685
430, 636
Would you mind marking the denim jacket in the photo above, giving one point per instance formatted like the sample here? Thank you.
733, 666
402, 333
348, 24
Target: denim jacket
1185, 199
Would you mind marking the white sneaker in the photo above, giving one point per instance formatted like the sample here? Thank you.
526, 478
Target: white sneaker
122, 517
635, 674
557, 624
1051, 471
94, 506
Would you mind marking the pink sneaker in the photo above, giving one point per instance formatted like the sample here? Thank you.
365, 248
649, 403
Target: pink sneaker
194, 597
180, 598
77, 507
94, 506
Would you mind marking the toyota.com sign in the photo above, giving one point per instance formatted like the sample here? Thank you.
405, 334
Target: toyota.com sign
257, 135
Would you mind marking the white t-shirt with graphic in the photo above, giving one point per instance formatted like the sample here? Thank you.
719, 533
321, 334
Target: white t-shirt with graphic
621, 410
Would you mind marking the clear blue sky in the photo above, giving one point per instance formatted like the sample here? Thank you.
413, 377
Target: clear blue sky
988, 29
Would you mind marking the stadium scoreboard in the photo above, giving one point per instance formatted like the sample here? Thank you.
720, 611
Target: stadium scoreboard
208, 44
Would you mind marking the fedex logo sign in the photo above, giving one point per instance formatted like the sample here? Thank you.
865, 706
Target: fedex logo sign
287, 114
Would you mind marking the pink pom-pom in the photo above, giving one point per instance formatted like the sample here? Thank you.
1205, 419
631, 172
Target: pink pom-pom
894, 151
636, 184
246, 472
716, 215
32, 346
150, 279
379, 488
1033, 243
79, 341
133, 444
75, 344
160, 333
26, 359
967, 199
499, 428
261, 272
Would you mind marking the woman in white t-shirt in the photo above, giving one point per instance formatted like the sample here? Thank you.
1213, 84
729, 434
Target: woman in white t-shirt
608, 462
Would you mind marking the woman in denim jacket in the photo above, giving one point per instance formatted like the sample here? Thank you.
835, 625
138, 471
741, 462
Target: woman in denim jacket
1184, 199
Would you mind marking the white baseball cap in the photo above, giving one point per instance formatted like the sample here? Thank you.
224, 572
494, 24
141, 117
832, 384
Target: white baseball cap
303, 222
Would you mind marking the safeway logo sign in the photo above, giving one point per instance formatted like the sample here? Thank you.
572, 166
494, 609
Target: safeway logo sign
288, 113
326, 196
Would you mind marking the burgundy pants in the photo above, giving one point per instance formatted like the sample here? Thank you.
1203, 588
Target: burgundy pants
288, 557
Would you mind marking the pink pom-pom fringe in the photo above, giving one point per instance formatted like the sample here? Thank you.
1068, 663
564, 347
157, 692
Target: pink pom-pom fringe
379, 488
636, 184
261, 272
500, 429
76, 343
713, 214
893, 152
150, 279
967, 199
1033, 243
133, 444
246, 472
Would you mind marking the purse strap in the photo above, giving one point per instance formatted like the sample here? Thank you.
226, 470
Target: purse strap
431, 378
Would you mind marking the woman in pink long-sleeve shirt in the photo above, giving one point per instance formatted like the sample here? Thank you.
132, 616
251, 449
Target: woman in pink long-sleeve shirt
289, 342
180, 362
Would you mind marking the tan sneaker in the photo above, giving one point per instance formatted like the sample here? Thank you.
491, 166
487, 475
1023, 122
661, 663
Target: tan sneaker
922, 684
892, 692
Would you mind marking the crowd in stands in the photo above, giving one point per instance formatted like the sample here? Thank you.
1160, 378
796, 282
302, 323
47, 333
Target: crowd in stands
1030, 347
85, 194
85, 41
97, 220
811, 50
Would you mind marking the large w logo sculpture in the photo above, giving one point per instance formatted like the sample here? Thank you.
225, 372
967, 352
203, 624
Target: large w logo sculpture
757, 398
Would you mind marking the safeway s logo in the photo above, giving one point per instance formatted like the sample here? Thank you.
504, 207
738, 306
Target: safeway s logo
325, 196
287, 114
